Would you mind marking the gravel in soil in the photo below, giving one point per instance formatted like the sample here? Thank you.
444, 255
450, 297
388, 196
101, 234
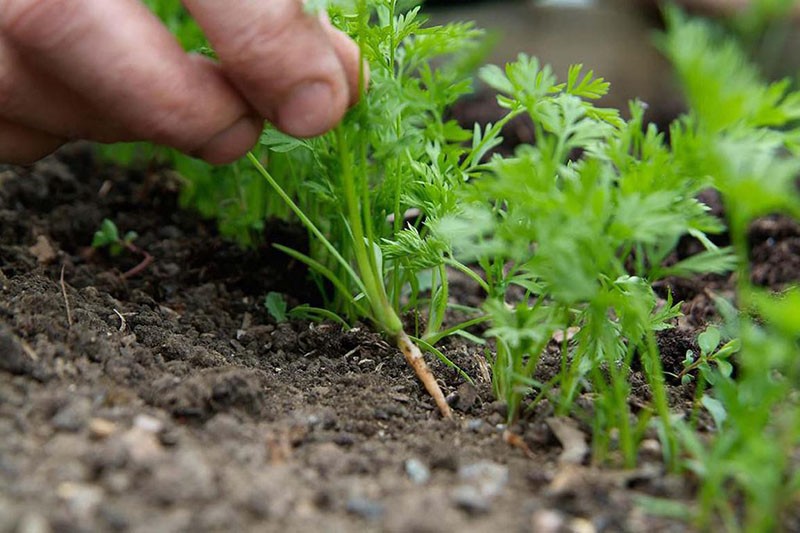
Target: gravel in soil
171, 401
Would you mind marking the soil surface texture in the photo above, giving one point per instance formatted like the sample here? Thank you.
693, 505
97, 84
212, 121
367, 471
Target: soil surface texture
169, 400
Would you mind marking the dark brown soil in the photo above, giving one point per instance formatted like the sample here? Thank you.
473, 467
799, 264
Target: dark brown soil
171, 401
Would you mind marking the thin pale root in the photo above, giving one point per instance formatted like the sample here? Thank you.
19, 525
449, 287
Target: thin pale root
414, 358
512, 439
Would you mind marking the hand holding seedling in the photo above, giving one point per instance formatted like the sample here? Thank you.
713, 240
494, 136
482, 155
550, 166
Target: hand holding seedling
108, 70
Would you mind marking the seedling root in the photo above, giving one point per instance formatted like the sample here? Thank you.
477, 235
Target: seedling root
516, 441
143, 264
416, 360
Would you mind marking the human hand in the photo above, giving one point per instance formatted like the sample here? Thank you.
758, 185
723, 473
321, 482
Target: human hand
108, 70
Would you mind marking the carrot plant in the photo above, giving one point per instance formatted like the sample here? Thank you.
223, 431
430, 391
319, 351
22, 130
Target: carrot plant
580, 223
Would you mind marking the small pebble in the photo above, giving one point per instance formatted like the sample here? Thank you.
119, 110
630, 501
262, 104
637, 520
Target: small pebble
489, 478
547, 521
82, 499
365, 508
117, 482
33, 523
73, 416
471, 500
474, 424
650, 449
467, 396
481, 483
100, 428
148, 423
417, 471
143, 447
581, 525
344, 439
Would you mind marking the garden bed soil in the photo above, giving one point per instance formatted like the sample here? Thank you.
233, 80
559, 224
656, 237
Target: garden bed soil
171, 400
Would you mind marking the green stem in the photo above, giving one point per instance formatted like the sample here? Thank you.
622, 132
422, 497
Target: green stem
306, 221
374, 289
436, 337
469, 161
449, 261
655, 374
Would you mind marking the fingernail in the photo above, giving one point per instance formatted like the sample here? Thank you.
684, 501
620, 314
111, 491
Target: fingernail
232, 143
308, 111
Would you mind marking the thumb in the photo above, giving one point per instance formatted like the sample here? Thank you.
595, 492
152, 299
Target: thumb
283, 60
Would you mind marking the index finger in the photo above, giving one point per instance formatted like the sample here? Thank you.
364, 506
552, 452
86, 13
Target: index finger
286, 63
119, 57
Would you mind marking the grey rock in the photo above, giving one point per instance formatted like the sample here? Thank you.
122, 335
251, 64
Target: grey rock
13, 358
33, 522
489, 478
474, 424
417, 471
481, 482
470, 499
74, 416
185, 476
365, 508
82, 499
547, 521
467, 396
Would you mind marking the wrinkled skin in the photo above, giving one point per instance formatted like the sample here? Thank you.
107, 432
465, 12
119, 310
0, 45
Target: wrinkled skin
108, 70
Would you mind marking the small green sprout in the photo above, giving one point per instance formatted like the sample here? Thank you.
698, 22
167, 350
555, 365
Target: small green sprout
108, 237
710, 353
276, 306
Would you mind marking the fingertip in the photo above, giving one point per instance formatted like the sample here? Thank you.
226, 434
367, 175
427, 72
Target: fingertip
232, 143
310, 109
281, 60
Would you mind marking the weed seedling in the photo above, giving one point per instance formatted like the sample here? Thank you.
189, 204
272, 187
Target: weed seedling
276, 306
108, 237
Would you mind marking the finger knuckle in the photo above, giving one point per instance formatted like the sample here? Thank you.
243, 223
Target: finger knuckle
39, 23
268, 36
176, 120
169, 123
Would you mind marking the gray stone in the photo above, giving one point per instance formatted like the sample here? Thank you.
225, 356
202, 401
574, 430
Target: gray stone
365, 508
74, 416
13, 358
417, 471
33, 522
481, 482
489, 478
82, 499
471, 499
185, 476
